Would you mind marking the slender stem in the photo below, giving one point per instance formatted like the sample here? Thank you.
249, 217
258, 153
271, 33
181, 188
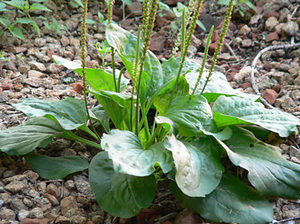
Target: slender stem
146, 126
204, 59
188, 38
134, 74
114, 67
72, 136
221, 40
83, 45
147, 30
87, 130
119, 79
156, 132
184, 22
109, 19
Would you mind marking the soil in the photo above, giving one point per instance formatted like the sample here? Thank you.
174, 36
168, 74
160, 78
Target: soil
29, 71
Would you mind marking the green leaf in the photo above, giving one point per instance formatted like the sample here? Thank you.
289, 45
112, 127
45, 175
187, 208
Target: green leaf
37, 6
232, 202
268, 172
17, 32
167, 94
237, 110
119, 194
129, 157
5, 22
101, 116
69, 113
78, 2
191, 115
99, 79
56, 167
36, 132
16, 3
198, 166
201, 25
117, 106
24, 20
125, 43
3, 8
217, 86
29, 21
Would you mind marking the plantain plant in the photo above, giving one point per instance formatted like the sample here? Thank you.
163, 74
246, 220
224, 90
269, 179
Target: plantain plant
179, 122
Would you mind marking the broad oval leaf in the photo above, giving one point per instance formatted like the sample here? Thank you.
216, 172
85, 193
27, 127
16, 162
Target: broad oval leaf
198, 166
236, 110
69, 113
217, 86
268, 172
119, 194
98, 79
98, 113
191, 115
36, 132
128, 156
232, 202
125, 44
56, 167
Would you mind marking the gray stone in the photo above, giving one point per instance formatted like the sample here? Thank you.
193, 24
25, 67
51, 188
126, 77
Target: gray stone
290, 28
18, 50
64, 40
54, 68
69, 184
35, 74
78, 219
83, 186
8, 173
14, 177
32, 176
6, 197
37, 65
7, 214
245, 30
75, 42
297, 80
1, 203
40, 42
284, 67
53, 190
295, 94
22, 214
17, 204
24, 69
67, 203
3, 97
62, 220
35, 82
52, 199
246, 43
28, 202
271, 23
15, 186
36, 213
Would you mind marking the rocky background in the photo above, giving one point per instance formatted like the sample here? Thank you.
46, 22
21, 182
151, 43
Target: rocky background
29, 71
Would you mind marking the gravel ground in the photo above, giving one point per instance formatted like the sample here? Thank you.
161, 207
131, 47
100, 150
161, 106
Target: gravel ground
30, 72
